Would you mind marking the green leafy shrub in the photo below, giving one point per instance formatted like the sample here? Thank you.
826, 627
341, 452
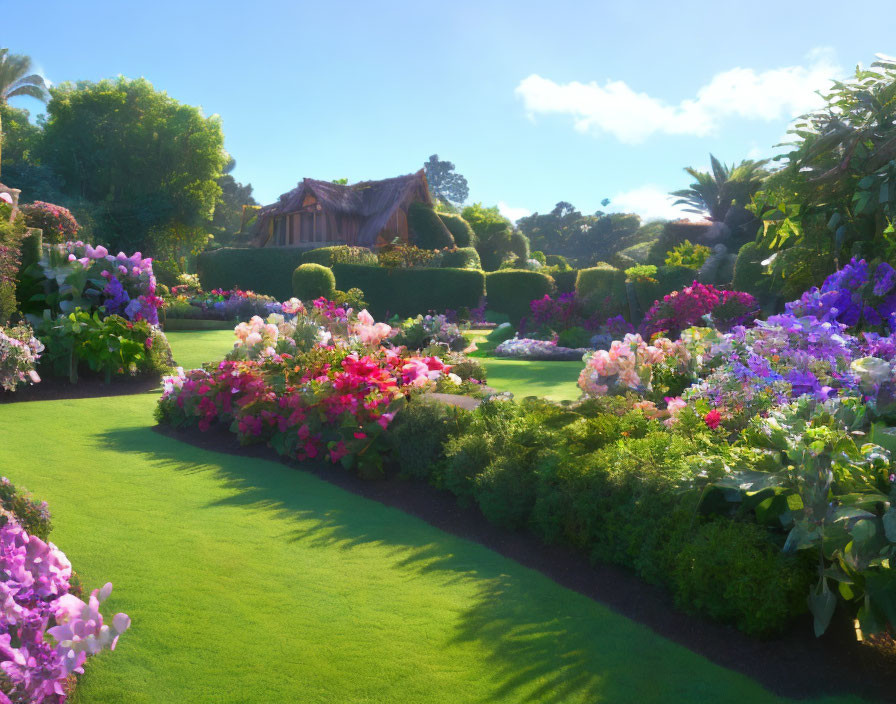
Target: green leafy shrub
574, 337
408, 256
418, 434
265, 270
461, 258
353, 298
501, 333
641, 273
538, 256
166, 271
673, 278
470, 368
32, 515
10, 244
519, 245
732, 572
557, 260
602, 289
407, 292
310, 281
688, 254
460, 229
510, 291
749, 273
427, 228
564, 280
339, 254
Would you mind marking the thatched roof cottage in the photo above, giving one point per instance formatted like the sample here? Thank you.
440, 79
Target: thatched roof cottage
317, 213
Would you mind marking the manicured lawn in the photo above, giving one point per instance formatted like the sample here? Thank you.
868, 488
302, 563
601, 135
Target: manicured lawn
249, 581
193, 348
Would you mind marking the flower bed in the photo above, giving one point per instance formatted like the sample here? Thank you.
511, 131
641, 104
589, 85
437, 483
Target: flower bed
47, 632
544, 350
218, 304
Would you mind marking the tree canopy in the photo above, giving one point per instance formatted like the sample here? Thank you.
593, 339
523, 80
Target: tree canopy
144, 159
444, 182
493, 234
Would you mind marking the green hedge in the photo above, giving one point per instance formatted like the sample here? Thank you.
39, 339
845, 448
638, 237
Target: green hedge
310, 281
327, 256
749, 273
510, 291
427, 229
459, 228
411, 291
602, 289
557, 260
265, 270
565, 280
461, 258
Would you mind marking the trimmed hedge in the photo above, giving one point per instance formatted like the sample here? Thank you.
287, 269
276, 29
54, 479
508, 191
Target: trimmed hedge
310, 281
428, 230
565, 280
749, 274
459, 228
407, 292
461, 258
327, 256
510, 291
557, 260
519, 245
265, 270
602, 289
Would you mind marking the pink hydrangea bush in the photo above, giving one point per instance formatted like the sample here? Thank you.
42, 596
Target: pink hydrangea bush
682, 309
57, 223
19, 353
631, 364
46, 631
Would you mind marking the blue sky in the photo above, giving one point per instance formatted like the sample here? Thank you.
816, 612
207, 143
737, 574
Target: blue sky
534, 102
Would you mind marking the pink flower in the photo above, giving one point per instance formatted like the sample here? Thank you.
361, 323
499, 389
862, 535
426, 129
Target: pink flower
713, 419
6, 197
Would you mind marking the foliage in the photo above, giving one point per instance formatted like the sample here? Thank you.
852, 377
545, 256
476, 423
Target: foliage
267, 270
339, 254
10, 245
713, 193
408, 291
145, 159
602, 288
408, 256
519, 246
510, 291
641, 273
459, 228
310, 281
19, 353
227, 218
493, 234
74, 275
575, 337
56, 223
682, 309
217, 304
16, 80
31, 514
427, 229
424, 331
461, 258
834, 195
444, 182
749, 270
687, 254
112, 345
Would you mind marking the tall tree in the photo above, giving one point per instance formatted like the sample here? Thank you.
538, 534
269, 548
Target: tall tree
147, 162
714, 192
16, 80
229, 207
444, 182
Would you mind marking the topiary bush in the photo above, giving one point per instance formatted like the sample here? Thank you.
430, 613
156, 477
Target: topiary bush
510, 291
601, 288
461, 258
311, 281
459, 228
519, 245
344, 254
428, 230
557, 260
265, 270
749, 272
408, 292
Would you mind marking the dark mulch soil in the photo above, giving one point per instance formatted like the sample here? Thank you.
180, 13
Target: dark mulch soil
797, 665
50, 389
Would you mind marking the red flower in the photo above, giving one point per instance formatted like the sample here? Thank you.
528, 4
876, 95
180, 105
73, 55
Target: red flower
713, 419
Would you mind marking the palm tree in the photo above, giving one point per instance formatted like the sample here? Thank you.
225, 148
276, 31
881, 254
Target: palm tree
16, 79
714, 193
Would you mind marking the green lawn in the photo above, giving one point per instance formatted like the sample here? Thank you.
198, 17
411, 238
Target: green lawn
248, 581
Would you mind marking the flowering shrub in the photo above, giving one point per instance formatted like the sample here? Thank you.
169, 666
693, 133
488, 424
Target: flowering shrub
527, 348
555, 314
218, 304
408, 256
19, 352
682, 309
78, 275
853, 296
56, 222
631, 365
427, 330
687, 254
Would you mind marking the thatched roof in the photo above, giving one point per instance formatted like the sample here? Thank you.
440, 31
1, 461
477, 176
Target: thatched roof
373, 202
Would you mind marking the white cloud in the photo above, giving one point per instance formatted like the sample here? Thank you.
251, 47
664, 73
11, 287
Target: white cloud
632, 116
651, 203
512, 214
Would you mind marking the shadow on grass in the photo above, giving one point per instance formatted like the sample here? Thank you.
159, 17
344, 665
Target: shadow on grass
544, 643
